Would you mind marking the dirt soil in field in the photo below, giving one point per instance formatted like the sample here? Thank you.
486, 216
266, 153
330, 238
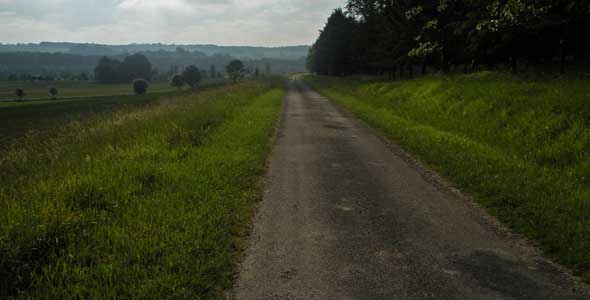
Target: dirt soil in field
347, 215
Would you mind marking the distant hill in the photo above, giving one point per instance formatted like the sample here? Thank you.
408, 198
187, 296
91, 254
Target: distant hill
28, 62
242, 52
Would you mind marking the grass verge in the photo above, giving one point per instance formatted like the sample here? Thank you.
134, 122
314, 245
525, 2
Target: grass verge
144, 204
520, 146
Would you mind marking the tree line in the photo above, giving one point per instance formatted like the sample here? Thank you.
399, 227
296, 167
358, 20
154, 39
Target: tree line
137, 66
400, 37
25, 65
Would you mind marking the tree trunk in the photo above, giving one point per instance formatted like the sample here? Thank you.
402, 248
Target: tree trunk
410, 69
444, 60
474, 65
513, 65
401, 71
563, 53
424, 67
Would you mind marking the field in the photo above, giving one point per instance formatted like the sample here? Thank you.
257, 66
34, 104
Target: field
520, 146
147, 202
72, 89
43, 115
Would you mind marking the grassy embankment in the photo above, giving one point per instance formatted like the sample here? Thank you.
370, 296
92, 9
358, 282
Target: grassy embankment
520, 146
142, 204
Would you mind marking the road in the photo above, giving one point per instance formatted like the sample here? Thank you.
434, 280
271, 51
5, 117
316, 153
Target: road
347, 215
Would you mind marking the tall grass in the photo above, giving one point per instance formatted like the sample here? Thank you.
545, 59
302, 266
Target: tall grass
520, 146
147, 204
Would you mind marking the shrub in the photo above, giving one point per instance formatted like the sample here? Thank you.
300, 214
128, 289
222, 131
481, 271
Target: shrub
140, 86
20, 93
53, 92
177, 81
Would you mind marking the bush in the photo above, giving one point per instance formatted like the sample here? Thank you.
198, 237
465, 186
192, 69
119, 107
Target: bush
177, 81
140, 86
53, 92
20, 93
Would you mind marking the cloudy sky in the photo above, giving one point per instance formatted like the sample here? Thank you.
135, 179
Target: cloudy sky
225, 22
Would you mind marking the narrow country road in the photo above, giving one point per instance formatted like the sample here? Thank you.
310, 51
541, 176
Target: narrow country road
349, 216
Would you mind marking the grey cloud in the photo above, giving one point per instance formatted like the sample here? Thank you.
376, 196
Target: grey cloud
230, 22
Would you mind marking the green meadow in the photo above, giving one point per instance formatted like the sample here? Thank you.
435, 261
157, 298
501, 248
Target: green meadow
519, 145
147, 202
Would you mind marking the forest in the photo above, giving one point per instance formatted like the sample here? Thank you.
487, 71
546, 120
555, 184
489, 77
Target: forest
401, 37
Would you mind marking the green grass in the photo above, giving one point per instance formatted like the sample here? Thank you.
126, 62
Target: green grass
140, 204
44, 115
520, 146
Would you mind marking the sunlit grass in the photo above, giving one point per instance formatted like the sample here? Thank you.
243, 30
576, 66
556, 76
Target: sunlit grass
147, 204
519, 145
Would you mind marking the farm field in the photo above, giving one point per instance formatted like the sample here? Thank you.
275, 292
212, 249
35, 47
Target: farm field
43, 115
72, 89
147, 202
519, 146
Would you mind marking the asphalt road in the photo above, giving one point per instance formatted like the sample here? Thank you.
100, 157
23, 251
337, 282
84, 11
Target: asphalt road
347, 215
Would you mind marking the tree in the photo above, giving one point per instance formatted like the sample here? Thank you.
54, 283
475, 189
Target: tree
53, 92
107, 71
256, 72
83, 76
331, 52
235, 69
140, 86
192, 76
135, 66
213, 71
177, 81
378, 36
20, 93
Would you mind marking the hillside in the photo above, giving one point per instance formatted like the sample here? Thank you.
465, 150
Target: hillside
241, 52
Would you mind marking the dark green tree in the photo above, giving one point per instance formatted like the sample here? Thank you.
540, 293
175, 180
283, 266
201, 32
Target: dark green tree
140, 86
20, 94
235, 70
213, 71
107, 71
53, 92
135, 66
391, 36
331, 52
177, 81
192, 76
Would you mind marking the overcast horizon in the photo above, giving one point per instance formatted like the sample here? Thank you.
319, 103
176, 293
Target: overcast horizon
266, 23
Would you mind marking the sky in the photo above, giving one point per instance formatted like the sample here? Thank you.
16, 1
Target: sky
222, 22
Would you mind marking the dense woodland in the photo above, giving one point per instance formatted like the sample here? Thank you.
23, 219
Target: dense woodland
401, 37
